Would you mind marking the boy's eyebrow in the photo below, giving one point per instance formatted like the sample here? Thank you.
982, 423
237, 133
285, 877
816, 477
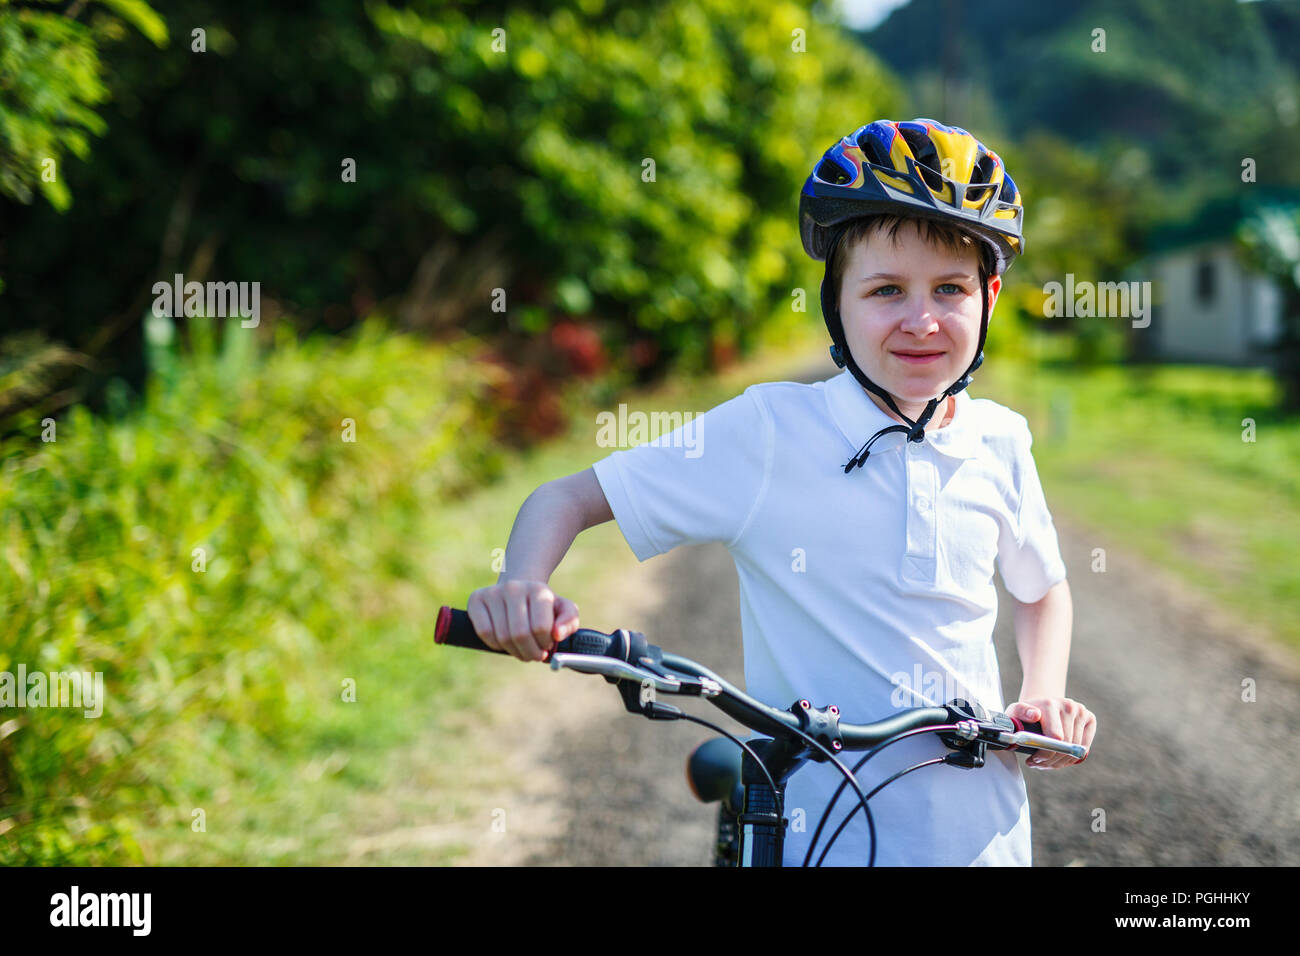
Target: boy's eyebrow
897, 278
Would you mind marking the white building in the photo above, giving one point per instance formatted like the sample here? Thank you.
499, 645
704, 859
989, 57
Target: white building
1209, 307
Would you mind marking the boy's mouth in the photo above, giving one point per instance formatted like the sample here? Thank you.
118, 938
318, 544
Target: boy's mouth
917, 356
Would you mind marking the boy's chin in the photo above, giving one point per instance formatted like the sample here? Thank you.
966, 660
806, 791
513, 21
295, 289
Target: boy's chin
918, 387
918, 391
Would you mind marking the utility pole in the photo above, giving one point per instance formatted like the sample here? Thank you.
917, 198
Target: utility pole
952, 12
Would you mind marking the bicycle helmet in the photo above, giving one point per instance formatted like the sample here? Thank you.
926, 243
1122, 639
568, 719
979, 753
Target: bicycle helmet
916, 169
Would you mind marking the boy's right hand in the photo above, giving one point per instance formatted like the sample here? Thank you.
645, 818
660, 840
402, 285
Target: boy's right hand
522, 618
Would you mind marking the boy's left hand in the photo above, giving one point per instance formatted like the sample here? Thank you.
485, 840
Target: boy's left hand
1062, 719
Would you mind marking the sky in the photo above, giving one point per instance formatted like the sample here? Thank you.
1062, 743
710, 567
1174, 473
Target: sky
864, 14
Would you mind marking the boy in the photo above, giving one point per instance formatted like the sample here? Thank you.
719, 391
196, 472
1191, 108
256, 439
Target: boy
866, 583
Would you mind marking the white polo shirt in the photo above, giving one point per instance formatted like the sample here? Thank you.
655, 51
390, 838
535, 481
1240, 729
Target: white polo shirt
872, 590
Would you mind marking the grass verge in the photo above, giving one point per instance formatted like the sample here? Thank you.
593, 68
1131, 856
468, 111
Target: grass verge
1192, 468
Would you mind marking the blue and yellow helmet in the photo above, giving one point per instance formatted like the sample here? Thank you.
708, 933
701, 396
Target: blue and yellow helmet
916, 168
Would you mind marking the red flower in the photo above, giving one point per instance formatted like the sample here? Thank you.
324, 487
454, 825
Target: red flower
643, 353
580, 346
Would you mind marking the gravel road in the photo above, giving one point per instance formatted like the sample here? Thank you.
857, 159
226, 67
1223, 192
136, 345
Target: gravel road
1183, 771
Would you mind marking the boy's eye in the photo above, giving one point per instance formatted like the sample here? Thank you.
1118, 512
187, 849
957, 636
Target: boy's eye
945, 288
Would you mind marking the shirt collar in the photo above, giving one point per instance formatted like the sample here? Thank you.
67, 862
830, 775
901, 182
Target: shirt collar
858, 418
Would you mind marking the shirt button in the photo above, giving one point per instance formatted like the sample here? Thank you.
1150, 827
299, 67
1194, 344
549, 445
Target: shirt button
923, 503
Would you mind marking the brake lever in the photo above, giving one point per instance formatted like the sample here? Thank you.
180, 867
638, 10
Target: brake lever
1023, 738
612, 667
621, 670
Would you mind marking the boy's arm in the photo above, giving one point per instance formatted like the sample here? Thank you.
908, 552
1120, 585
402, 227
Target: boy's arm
548, 522
1043, 631
520, 614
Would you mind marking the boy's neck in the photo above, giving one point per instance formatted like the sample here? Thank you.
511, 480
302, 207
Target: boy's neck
943, 414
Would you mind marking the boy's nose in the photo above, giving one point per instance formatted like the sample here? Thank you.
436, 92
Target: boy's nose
919, 321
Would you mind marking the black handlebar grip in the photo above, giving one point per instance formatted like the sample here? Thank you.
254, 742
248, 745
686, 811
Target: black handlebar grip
455, 628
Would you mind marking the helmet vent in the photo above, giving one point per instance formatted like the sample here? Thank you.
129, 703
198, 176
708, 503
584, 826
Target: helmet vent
924, 152
832, 172
871, 146
931, 177
1008, 189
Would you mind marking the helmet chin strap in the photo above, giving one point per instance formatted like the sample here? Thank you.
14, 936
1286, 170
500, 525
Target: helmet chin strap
843, 358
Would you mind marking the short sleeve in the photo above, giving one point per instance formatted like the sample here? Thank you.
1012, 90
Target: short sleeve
1029, 555
697, 483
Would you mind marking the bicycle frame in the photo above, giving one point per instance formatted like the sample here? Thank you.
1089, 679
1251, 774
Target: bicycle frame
751, 825
761, 830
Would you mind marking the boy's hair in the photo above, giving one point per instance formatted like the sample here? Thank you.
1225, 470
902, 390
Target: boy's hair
936, 232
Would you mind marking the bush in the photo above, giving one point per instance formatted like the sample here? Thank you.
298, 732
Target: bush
244, 456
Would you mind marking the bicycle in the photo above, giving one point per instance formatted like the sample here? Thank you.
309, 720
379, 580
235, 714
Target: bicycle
749, 782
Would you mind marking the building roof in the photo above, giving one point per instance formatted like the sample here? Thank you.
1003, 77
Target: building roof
1217, 219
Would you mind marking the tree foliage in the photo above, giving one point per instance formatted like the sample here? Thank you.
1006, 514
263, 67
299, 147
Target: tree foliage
1270, 240
512, 160
51, 81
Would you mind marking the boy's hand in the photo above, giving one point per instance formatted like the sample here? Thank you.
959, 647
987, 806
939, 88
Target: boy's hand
1062, 719
522, 618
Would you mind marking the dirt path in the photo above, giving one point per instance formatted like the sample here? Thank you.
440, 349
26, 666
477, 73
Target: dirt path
1185, 772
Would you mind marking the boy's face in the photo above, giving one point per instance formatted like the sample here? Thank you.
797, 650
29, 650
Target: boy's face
911, 312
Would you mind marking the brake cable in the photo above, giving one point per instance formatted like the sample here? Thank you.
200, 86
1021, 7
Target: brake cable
780, 804
849, 816
858, 766
848, 777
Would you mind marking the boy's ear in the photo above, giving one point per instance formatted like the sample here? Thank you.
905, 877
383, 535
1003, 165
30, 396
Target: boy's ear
995, 286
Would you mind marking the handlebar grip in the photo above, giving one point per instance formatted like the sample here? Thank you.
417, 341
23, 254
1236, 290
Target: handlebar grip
455, 628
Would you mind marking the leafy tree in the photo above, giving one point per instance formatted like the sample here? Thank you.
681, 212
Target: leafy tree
52, 89
50, 83
1192, 84
1270, 239
517, 163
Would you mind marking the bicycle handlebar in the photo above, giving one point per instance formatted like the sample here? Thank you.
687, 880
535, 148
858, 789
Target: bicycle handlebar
630, 657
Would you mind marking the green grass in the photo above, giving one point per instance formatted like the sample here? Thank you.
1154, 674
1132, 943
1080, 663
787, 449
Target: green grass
1154, 459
